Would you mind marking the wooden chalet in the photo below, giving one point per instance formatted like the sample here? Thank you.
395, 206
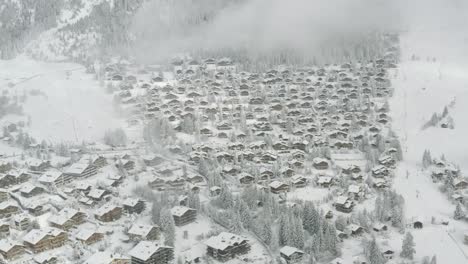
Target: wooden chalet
325, 181
22, 221
107, 257
4, 195
152, 160
133, 206
126, 164
44, 239
226, 246
291, 254
344, 204
4, 229
183, 215
149, 252
143, 232
38, 165
29, 190
11, 250
246, 178
81, 170
298, 181
18, 176
46, 258
320, 164
7, 209
279, 187
67, 218
55, 178
96, 160
89, 236
108, 213
380, 171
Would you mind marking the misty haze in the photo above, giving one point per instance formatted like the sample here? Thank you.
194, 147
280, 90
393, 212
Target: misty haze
233, 131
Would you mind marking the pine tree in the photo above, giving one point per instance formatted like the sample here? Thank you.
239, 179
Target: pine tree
445, 112
156, 213
298, 234
333, 242
168, 227
379, 211
373, 253
407, 248
434, 260
459, 213
265, 231
283, 232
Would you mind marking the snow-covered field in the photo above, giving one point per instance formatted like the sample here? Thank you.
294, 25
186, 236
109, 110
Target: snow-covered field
423, 87
71, 107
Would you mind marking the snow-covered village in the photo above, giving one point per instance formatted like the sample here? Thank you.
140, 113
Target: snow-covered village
233, 131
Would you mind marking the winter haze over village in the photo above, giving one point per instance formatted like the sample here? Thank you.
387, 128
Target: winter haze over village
233, 131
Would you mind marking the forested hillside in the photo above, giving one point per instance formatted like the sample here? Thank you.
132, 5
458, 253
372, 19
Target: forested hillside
155, 30
21, 20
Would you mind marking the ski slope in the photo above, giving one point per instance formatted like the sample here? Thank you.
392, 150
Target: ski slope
422, 87
72, 106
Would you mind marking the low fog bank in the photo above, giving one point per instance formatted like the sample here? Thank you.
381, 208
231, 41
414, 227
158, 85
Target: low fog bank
315, 29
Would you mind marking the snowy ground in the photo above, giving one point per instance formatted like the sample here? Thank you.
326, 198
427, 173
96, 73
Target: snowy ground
74, 107
423, 87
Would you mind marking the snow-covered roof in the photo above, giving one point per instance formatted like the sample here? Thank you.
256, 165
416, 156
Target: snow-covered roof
353, 188
63, 216
96, 193
104, 257
131, 202
224, 240
341, 199
43, 257
50, 176
7, 244
140, 230
27, 188
105, 209
180, 210
6, 204
276, 184
20, 217
324, 179
288, 251
77, 168
36, 235
85, 233
319, 160
144, 250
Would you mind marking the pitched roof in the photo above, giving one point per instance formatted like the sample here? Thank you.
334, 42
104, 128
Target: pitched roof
288, 251
63, 216
224, 240
7, 244
145, 249
140, 230
180, 210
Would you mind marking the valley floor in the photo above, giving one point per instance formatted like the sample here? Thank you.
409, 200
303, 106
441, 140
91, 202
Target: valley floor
70, 105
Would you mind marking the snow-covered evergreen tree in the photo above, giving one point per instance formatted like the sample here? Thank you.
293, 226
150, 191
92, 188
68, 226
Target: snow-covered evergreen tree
407, 247
168, 226
459, 213
373, 253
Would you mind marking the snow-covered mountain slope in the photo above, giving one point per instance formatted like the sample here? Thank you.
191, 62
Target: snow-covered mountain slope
427, 86
430, 77
70, 105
